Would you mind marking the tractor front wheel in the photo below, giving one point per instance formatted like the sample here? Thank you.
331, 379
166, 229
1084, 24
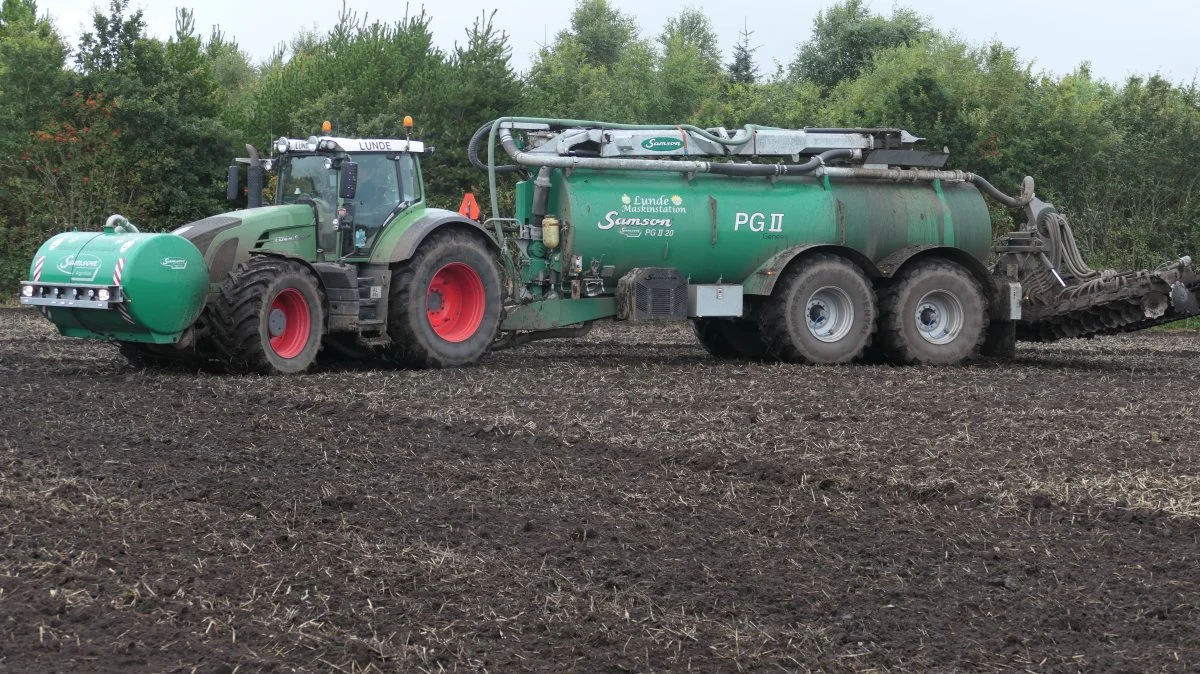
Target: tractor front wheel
444, 309
270, 316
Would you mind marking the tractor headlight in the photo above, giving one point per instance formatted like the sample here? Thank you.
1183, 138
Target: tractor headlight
311, 144
103, 295
27, 291
266, 164
281, 146
328, 163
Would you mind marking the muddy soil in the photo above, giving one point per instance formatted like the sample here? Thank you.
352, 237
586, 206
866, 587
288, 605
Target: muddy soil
616, 503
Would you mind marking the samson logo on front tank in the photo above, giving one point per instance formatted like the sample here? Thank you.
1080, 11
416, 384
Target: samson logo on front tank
175, 263
82, 268
662, 144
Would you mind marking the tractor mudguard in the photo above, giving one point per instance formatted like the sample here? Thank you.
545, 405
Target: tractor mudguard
433, 219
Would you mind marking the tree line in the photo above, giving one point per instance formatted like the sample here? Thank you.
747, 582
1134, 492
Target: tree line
129, 123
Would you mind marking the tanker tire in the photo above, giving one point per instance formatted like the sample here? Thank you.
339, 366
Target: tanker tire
836, 293
242, 329
710, 332
415, 343
730, 339
945, 289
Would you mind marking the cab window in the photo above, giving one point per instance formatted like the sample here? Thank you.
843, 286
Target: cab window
378, 191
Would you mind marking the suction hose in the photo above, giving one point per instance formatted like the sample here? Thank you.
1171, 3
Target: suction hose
473, 151
995, 193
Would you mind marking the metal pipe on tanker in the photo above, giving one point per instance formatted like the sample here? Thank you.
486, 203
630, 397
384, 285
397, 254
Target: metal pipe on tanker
541, 194
745, 135
815, 166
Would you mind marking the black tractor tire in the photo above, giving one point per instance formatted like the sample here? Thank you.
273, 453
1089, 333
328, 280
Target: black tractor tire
821, 312
270, 316
933, 313
444, 309
730, 339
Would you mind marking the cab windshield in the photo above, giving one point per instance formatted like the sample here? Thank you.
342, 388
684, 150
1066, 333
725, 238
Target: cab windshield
387, 184
308, 177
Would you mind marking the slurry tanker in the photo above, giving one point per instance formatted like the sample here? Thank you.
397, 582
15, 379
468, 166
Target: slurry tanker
816, 245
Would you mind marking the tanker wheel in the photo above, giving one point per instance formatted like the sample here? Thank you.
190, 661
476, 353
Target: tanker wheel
822, 311
270, 316
933, 314
729, 339
444, 308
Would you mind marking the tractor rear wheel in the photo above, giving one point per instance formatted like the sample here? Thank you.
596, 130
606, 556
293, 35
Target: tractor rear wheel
444, 309
270, 316
729, 339
934, 313
822, 311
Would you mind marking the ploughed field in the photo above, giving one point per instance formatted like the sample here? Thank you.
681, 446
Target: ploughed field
615, 503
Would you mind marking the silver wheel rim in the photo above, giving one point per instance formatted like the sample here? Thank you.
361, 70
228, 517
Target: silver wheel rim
939, 317
829, 314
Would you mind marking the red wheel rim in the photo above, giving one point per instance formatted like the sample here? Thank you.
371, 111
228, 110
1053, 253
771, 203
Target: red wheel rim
454, 302
288, 323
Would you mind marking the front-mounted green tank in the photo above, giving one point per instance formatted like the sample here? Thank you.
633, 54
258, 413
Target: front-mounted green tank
118, 284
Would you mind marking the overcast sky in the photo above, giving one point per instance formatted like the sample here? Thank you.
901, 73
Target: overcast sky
1118, 37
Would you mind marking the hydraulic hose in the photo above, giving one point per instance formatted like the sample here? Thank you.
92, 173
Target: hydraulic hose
473, 151
995, 193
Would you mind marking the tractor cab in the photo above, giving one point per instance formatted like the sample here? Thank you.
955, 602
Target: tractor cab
355, 186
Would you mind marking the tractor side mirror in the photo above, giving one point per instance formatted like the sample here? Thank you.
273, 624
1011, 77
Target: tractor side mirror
349, 180
233, 184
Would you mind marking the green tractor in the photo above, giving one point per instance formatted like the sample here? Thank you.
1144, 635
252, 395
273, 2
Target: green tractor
815, 245
349, 257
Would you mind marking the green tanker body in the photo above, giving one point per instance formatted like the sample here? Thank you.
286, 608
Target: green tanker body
803, 245
722, 229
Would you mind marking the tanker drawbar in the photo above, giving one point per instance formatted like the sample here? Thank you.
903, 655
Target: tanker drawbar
118, 284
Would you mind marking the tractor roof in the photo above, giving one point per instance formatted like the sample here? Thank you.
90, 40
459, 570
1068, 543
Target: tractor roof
336, 144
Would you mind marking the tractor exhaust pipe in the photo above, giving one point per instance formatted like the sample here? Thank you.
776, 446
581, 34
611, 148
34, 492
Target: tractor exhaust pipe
254, 179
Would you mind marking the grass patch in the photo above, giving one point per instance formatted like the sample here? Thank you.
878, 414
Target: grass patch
1192, 323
